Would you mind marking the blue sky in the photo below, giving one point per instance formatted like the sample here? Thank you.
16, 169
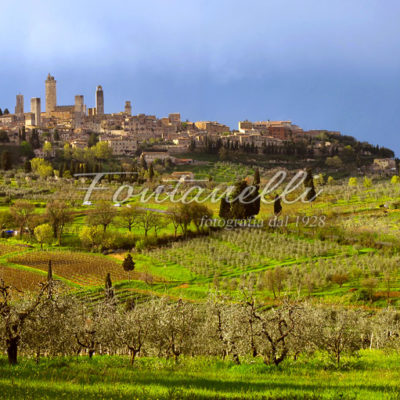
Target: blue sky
319, 63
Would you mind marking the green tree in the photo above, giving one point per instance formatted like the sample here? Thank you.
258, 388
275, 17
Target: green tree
151, 172
239, 197
367, 182
199, 212
22, 211
26, 150
103, 214
27, 166
5, 219
143, 162
224, 209
223, 154
102, 151
146, 220
128, 264
59, 214
47, 149
6, 161
34, 140
353, 181
91, 236
67, 152
56, 136
128, 217
44, 234
41, 167
93, 139
334, 162
370, 284
4, 137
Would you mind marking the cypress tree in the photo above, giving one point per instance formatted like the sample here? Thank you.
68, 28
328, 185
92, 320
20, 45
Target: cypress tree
277, 205
309, 185
256, 177
225, 209
109, 288
6, 161
27, 166
143, 163
239, 209
151, 172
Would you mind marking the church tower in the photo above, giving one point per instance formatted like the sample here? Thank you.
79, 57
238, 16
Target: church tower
51, 94
99, 100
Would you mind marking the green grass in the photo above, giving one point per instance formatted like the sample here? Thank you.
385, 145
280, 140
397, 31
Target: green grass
373, 376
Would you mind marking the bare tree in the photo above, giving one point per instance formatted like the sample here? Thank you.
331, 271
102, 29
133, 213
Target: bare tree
146, 220
128, 217
59, 215
275, 328
13, 318
22, 211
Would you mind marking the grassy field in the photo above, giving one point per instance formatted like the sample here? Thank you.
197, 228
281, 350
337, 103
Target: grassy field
359, 241
373, 376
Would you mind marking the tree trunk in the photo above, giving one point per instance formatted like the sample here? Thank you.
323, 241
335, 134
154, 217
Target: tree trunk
133, 356
236, 359
12, 350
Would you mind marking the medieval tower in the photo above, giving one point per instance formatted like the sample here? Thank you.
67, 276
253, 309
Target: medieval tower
128, 108
35, 109
79, 109
79, 104
19, 107
99, 100
51, 94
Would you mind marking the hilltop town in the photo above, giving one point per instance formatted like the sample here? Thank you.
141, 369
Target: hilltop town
78, 127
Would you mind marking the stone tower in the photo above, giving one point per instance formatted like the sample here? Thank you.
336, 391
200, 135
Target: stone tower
99, 100
36, 109
19, 105
79, 105
79, 110
51, 94
128, 108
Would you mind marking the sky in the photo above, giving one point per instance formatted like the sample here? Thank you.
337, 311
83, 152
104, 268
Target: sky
321, 64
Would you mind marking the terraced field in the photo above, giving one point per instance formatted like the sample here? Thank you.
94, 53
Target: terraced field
80, 268
20, 279
6, 248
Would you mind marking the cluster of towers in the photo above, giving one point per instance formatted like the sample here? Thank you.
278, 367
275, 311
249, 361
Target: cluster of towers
78, 109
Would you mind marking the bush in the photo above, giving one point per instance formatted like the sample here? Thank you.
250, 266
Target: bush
361, 295
394, 205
